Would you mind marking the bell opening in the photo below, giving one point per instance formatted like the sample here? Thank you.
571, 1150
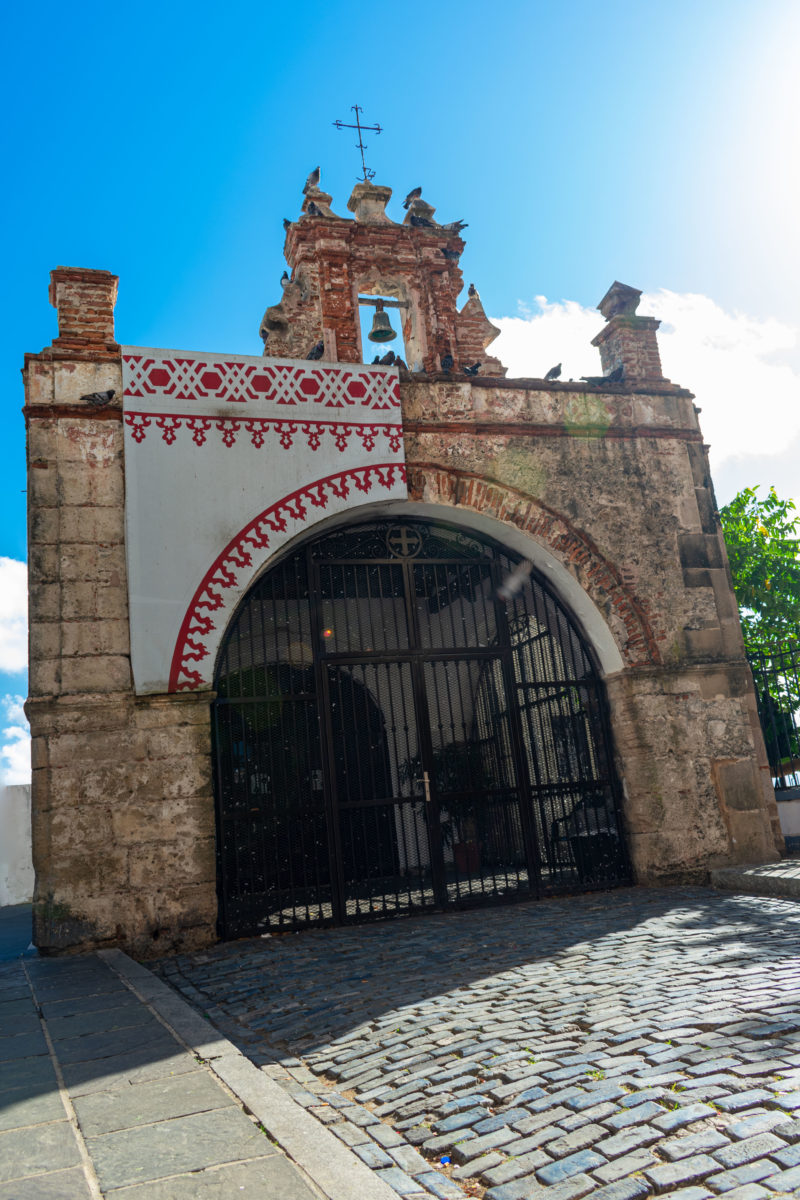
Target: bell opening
382, 329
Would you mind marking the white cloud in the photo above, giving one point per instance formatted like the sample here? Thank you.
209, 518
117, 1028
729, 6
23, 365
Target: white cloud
13, 615
750, 399
15, 750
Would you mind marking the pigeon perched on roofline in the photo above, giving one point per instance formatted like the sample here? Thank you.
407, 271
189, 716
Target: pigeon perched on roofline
447, 362
421, 222
314, 210
453, 255
473, 370
398, 362
387, 359
455, 226
472, 291
316, 351
615, 376
311, 182
285, 281
554, 372
413, 195
287, 224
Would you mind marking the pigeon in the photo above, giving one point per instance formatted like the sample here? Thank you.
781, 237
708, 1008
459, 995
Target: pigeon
317, 351
312, 181
473, 370
414, 194
453, 255
287, 224
398, 362
455, 227
614, 376
98, 399
376, 360
447, 362
285, 281
515, 580
471, 290
421, 222
554, 372
387, 359
314, 210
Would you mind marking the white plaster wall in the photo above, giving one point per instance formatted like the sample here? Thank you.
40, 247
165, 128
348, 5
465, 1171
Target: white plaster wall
789, 813
16, 865
213, 442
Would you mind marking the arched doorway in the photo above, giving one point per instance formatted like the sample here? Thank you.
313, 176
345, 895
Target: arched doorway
391, 735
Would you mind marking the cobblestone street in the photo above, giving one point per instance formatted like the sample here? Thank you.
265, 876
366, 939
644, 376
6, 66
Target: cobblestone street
641, 1042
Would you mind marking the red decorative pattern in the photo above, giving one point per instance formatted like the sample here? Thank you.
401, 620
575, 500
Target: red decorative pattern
258, 427
239, 381
192, 642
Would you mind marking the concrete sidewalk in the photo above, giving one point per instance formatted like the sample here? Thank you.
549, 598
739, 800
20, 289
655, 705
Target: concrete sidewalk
107, 1089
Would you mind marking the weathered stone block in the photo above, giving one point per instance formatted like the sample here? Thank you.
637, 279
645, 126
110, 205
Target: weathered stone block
103, 673
96, 637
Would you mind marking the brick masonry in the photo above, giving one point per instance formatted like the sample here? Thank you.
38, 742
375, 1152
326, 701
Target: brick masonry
610, 482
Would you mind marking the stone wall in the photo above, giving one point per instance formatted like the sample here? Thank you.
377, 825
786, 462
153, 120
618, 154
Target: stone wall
616, 486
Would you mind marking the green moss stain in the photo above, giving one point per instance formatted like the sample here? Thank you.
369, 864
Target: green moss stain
517, 467
586, 416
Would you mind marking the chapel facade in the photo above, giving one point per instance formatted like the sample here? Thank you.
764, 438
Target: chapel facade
316, 639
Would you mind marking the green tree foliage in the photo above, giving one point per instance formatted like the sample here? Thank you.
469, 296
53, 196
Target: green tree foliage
763, 540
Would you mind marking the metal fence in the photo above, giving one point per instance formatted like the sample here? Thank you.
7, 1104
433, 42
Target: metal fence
776, 672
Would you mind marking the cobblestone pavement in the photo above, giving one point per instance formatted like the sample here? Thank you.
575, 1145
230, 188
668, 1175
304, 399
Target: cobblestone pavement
642, 1042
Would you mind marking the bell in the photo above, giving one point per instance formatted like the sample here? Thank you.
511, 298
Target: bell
381, 326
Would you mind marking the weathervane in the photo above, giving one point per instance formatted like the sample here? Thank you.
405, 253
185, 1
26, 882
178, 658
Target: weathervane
360, 143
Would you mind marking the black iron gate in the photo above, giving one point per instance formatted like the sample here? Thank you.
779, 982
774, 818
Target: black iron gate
390, 735
776, 673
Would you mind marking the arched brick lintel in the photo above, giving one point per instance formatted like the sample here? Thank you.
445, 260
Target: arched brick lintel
599, 577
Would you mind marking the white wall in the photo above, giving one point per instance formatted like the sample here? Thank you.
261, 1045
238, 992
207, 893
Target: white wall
16, 867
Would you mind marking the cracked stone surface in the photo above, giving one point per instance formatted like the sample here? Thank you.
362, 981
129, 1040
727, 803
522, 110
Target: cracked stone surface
630, 1044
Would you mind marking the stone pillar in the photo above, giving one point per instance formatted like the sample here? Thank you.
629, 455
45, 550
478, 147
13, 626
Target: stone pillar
122, 806
628, 341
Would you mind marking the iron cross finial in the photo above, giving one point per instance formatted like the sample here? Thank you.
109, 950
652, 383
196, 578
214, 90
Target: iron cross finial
360, 143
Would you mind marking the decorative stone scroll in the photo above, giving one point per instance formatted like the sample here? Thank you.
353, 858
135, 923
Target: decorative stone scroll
226, 460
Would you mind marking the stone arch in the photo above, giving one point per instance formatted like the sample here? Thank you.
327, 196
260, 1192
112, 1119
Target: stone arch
601, 579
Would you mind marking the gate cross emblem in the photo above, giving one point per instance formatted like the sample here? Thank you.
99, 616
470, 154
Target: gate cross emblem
403, 542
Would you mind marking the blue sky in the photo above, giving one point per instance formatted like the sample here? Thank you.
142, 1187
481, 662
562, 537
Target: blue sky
583, 143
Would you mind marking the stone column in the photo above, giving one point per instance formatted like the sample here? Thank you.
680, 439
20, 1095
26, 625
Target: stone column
122, 806
628, 341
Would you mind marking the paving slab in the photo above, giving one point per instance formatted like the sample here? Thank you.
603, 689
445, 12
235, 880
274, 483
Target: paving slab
175, 1146
146, 1103
58, 1185
272, 1178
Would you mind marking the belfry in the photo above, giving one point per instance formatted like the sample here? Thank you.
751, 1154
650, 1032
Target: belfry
320, 639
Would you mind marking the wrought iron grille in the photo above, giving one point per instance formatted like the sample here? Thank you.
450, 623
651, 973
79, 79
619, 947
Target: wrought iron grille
391, 736
776, 672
